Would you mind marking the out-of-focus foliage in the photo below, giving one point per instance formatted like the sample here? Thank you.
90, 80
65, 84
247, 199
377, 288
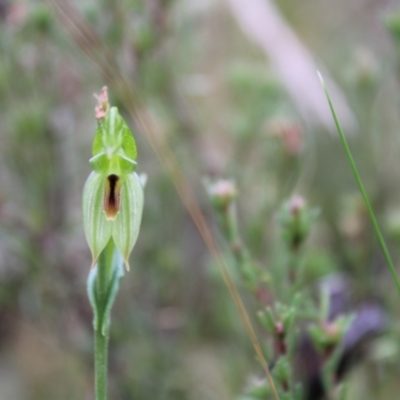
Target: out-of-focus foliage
224, 112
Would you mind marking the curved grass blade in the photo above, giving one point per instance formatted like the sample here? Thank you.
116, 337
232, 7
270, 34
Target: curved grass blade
371, 214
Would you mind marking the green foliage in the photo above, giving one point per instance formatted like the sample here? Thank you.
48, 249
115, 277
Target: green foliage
392, 22
222, 106
363, 192
102, 298
308, 343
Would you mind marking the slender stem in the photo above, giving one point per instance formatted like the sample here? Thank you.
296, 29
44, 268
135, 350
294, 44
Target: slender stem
231, 232
100, 362
100, 337
238, 250
363, 192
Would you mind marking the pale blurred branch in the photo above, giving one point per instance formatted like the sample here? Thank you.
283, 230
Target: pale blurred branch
262, 22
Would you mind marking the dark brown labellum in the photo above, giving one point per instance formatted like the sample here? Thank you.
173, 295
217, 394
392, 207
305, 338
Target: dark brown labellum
112, 197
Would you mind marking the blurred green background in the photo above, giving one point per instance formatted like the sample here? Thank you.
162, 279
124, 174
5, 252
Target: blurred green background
226, 110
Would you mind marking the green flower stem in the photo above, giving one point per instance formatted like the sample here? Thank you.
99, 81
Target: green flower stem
229, 225
231, 230
295, 272
100, 361
362, 190
103, 280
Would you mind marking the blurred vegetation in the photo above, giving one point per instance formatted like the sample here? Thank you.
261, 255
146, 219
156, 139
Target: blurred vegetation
225, 113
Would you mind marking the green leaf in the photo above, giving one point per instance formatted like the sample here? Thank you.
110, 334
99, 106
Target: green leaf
259, 389
92, 294
102, 302
267, 318
288, 319
282, 369
116, 275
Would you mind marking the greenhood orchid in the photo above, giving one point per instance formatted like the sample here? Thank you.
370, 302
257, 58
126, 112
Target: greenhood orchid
113, 194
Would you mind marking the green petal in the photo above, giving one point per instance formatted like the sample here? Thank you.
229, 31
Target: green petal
128, 143
100, 163
97, 228
97, 146
113, 138
125, 228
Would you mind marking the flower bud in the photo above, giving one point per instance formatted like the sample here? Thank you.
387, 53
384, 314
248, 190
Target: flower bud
222, 193
295, 220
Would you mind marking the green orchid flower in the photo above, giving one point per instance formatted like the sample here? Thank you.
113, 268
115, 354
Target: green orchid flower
113, 194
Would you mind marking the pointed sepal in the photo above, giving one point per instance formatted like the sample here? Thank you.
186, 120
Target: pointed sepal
97, 229
125, 228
